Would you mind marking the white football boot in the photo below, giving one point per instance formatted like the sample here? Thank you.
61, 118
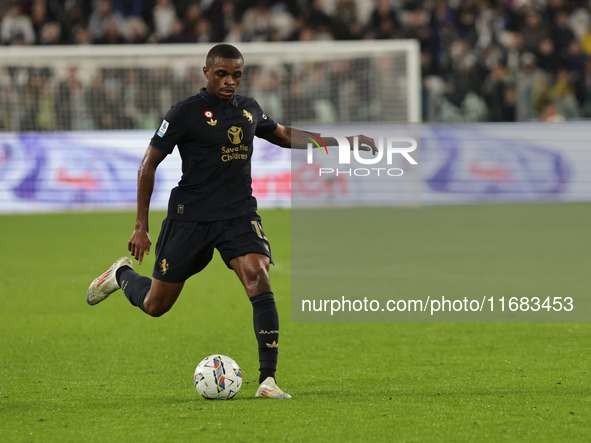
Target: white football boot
269, 389
105, 284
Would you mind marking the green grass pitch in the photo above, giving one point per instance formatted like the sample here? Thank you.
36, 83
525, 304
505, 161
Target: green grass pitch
74, 373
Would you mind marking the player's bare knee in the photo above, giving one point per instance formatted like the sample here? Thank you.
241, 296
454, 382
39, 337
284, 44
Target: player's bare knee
156, 311
160, 312
257, 281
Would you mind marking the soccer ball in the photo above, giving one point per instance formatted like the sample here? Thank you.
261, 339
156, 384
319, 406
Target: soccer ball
218, 377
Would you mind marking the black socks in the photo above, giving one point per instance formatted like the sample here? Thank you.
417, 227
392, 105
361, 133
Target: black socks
120, 271
134, 286
266, 329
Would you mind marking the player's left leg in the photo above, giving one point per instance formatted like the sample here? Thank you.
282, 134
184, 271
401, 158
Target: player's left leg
245, 249
184, 248
253, 271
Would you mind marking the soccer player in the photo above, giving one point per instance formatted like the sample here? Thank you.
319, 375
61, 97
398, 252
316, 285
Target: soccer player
212, 207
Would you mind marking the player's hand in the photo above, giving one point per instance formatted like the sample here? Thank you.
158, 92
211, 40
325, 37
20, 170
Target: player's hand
365, 143
139, 244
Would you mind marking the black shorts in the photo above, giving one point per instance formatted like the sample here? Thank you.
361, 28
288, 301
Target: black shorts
185, 248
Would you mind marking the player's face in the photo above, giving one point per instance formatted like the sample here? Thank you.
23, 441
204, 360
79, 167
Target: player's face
223, 77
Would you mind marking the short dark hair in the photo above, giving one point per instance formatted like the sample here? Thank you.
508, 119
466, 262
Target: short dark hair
222, 50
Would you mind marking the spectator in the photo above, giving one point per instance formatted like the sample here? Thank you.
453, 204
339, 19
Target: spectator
111, 34
561, 34
562, 94
164, 16
137, 31
51, 34
587, 88
31, 93
95, 98
202, 31
573, 58
134, 9
529, 80
466, 16
67, 89
82, 36
297, 107
500, 95
177, 35
135, 15
46, 116
485, 29
8, 109
73, 19
534, 31
265, 86
256, 22
547, 57
317, 16
306, 34
223, 16
192, 15
383, 12
550, 113
580, 22
15, 27
281, 23
39, 17
468, 78
344, 19
104, 17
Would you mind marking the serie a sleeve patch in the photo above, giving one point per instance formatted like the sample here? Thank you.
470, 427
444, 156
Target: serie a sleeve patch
163, 128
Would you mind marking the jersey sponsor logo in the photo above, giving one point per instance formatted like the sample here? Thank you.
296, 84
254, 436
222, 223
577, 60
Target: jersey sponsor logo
164, 266
247, 114
239, 152
235, 134
163, 128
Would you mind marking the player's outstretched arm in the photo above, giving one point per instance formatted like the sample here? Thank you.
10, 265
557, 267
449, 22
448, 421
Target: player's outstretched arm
288, 137
140, 241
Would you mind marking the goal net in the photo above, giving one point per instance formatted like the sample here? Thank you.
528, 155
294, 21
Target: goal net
131, 87
75, 121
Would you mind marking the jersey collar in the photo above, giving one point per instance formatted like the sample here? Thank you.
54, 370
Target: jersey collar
216, 101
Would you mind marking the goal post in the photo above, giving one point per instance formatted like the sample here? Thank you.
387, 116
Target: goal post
131, 86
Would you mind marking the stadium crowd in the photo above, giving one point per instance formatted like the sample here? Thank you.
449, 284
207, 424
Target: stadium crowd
511, 60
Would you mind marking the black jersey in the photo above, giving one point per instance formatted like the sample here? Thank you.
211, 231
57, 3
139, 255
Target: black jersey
215, 143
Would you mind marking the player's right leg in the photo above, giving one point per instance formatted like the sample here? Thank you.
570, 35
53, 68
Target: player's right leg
183, 249
152, 296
